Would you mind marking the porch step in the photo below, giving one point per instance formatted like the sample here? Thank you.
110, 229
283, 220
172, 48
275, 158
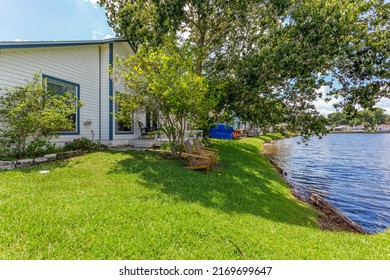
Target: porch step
142, 143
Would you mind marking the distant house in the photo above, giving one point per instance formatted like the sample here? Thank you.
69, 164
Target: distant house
245, 128
342, 128
80, 67
383, 128
358, 128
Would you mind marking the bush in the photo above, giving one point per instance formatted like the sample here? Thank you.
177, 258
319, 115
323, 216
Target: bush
39, 148
167, 146
82, 144
33, 112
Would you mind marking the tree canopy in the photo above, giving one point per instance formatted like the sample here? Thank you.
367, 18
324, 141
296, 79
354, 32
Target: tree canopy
371, 117
266, 60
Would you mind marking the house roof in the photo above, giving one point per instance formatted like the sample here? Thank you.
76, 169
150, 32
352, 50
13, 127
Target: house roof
43, 44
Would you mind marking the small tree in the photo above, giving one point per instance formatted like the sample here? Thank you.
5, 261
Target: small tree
33, 113
162, 80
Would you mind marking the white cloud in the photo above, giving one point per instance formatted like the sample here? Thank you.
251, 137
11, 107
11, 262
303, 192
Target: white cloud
325, 108
323, 90
108, 36
96, 35
385, 104
20, 40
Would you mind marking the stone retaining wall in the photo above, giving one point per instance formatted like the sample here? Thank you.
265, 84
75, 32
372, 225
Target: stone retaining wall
20, 163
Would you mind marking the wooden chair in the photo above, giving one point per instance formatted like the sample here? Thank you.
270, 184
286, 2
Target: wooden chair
196, 161
204, 152
200, 147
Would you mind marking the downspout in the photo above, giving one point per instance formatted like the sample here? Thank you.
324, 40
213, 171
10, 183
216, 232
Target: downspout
111, 93
100, 93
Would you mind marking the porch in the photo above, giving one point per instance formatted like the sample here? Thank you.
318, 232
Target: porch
158, 140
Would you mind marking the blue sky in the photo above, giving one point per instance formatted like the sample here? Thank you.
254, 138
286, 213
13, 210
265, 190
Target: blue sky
45, 20
39, 20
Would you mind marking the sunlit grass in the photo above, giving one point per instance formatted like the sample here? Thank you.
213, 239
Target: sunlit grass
113, 205
271, 136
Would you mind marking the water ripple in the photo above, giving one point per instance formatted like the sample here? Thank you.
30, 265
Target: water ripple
351, 170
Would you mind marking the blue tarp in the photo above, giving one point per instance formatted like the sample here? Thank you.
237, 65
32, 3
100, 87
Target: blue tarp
221, 131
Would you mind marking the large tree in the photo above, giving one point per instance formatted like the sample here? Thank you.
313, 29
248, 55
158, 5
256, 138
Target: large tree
342, 44
346, 40
162, 80
206, 24
271, 57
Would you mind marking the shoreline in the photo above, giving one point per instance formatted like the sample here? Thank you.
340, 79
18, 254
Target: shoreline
330, 218
359, 132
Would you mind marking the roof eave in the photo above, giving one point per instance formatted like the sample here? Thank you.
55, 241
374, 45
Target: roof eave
46, 44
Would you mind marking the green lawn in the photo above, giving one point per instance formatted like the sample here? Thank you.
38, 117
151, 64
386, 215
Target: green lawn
113, 205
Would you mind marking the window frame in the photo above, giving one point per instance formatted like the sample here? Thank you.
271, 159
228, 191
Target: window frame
58, 80
116, 124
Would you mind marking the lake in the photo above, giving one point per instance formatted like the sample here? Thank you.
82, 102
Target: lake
352, 171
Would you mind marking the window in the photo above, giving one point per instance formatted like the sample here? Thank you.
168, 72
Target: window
61, 87
120, 127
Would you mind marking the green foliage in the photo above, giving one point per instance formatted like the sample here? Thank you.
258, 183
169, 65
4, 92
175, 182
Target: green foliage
206, 24
167, 146
39, 148
82, 143
346, 41
162, 80
272, 137
144, 22
33, 113
369, 117
337, 118
276, 76
265, 61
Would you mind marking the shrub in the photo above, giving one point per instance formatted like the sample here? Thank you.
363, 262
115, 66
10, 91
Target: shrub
33, 112
84, 144
39, 148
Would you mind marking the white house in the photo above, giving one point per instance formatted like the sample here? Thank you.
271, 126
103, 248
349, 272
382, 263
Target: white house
80, 67
358, 128
383, 128
342, 128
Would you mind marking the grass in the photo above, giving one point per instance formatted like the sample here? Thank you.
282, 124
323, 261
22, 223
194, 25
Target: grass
272, 136
113, 205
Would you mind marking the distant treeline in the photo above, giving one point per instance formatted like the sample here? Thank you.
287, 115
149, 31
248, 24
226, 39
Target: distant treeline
367, 118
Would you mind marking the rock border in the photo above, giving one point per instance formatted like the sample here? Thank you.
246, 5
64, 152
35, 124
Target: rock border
6, 165
332, 218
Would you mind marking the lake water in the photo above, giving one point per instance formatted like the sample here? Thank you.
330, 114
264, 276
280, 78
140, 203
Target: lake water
351, 170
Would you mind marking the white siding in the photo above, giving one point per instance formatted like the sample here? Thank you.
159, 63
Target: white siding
75, 64
78, 65
123, 50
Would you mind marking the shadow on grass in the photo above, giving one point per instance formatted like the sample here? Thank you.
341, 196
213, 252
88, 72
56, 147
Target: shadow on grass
246, 184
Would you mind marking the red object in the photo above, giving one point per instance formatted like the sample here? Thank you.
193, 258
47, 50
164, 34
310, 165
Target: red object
236, 133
